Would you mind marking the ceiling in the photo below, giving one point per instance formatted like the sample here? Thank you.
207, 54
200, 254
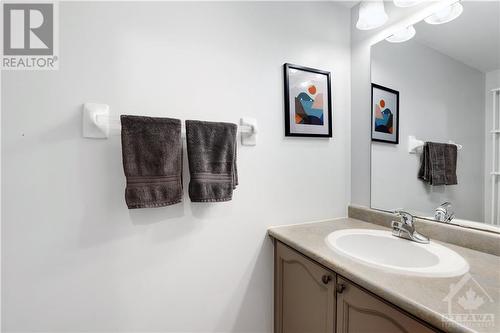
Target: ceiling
473, 38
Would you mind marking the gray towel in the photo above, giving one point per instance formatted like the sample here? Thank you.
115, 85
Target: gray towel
152, 161
211, 151
439, 164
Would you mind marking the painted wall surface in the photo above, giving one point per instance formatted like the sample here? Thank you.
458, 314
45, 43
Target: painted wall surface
492, 82
440, 99
73, 257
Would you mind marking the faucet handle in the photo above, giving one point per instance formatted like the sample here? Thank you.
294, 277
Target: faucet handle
444, 212
406, 217
446, 205
406, 229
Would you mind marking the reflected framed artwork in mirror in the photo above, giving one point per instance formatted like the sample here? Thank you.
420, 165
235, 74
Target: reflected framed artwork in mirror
385, 114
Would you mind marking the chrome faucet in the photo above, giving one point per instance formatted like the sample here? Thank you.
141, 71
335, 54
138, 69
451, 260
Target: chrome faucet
406, 228
444, 213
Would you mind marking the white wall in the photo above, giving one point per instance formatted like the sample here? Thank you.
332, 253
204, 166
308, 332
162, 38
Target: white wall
73, 257
492, 81
440, 99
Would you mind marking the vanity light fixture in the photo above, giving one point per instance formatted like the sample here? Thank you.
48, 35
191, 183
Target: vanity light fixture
446, 14
371, 15
406, 3
402, 35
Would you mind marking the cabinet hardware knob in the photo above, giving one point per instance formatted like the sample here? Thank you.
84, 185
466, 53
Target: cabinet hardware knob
340, 288
326, 278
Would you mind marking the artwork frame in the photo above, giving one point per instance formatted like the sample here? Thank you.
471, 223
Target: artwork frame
384, 125
318, 122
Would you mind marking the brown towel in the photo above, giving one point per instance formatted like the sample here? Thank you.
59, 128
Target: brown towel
439, 164
211, 151
152, 161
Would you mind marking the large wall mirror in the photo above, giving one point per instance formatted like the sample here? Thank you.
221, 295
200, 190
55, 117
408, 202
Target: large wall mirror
435, 120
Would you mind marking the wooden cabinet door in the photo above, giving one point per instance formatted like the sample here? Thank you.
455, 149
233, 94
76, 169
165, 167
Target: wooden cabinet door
360, 312
304, 294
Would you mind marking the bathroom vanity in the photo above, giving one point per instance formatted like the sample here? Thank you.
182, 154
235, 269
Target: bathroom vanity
313, 298
319, 289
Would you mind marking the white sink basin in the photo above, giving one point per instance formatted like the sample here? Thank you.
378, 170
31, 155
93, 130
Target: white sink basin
379, 248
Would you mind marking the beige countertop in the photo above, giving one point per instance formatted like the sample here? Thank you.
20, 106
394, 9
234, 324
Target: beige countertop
419, 296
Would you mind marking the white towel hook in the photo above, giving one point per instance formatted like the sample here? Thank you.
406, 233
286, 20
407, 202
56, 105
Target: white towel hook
97, 124
414, 144
93, 126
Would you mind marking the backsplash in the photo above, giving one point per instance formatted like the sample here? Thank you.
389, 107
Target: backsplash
484, 241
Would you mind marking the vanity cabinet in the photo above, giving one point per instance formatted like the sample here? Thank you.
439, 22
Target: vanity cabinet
360, 312
310, 298
304, 294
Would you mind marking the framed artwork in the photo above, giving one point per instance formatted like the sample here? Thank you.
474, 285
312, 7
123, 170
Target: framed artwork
308, 109
385, 114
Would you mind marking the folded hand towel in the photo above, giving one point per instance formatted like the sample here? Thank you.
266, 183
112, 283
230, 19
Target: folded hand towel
211, 151
439, 164
451, 152
152, 161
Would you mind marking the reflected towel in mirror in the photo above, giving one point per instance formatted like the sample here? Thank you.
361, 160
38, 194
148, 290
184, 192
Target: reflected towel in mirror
439, 164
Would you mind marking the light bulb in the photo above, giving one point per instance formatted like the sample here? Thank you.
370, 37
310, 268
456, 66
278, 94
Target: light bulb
446, 14
371, 15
